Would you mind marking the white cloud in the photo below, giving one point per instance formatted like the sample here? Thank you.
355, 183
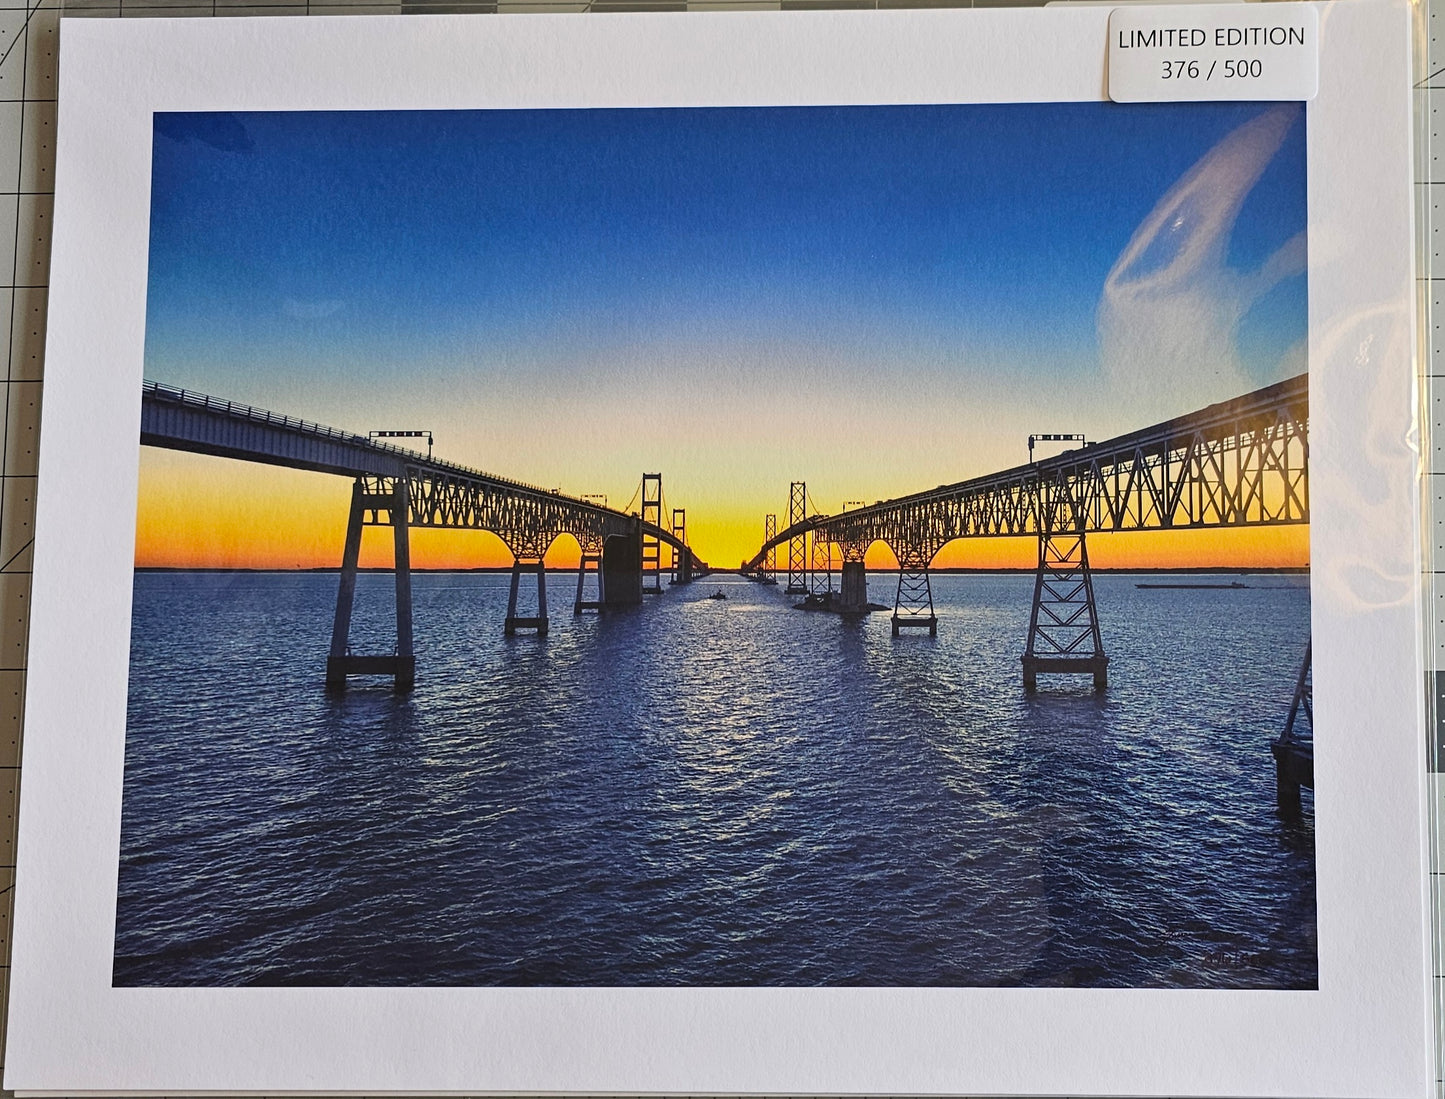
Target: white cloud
1169, 315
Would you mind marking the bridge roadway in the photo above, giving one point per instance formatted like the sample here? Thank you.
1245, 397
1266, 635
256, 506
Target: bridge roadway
400, 488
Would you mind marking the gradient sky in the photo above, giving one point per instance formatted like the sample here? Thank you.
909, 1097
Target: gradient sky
872, 299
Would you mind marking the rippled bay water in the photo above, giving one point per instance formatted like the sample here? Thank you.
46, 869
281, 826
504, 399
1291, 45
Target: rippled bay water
708, 792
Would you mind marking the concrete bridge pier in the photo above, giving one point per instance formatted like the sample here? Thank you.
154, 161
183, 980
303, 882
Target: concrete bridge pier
853, 595
341, 662
537, 622
622, 570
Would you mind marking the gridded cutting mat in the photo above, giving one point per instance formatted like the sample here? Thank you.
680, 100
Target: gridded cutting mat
27, 162
28, 66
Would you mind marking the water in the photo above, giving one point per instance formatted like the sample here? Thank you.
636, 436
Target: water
708, 792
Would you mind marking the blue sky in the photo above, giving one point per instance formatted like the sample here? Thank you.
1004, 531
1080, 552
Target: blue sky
393, 233
671, 287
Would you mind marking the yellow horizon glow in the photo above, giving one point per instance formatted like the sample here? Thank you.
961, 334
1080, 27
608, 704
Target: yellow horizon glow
200, 512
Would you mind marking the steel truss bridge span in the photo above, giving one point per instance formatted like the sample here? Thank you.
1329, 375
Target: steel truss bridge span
1239, 463
1243, 462
400, 488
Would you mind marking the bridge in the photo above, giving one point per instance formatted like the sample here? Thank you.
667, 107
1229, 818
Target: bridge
1240, 463
396, 487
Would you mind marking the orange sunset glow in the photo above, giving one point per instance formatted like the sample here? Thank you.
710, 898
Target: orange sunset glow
211, 513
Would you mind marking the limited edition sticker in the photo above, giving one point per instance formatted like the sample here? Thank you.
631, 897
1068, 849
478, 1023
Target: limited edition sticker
1213, 51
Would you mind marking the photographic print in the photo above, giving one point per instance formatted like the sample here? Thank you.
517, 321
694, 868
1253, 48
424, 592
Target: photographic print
696, 546
747, 553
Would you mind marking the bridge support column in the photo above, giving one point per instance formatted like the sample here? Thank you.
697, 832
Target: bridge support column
797, 547
622, 570
681, 558
1294, 753
346, 592
591, 563
913, 604
651, 545
1064, 623
537, 622
820, 567
768, 568
401, 529
853, 598
340, 662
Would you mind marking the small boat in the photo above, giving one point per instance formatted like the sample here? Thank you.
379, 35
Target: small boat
719, 594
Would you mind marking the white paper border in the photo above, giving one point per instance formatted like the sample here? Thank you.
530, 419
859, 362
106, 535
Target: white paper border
1365, 1032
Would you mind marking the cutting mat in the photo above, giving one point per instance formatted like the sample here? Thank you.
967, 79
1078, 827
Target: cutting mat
27, 162
28, 64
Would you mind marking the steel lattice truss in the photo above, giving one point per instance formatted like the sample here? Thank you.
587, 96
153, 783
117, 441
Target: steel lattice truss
527, 523
798, 542
1065, 620
441, 494
1297, 731
1240, 463
679, 532
820, 566
914, 599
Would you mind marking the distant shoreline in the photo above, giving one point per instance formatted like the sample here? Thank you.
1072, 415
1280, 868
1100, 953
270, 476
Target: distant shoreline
1210, 570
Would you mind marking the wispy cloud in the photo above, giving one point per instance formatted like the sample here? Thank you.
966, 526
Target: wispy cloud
1170, 311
